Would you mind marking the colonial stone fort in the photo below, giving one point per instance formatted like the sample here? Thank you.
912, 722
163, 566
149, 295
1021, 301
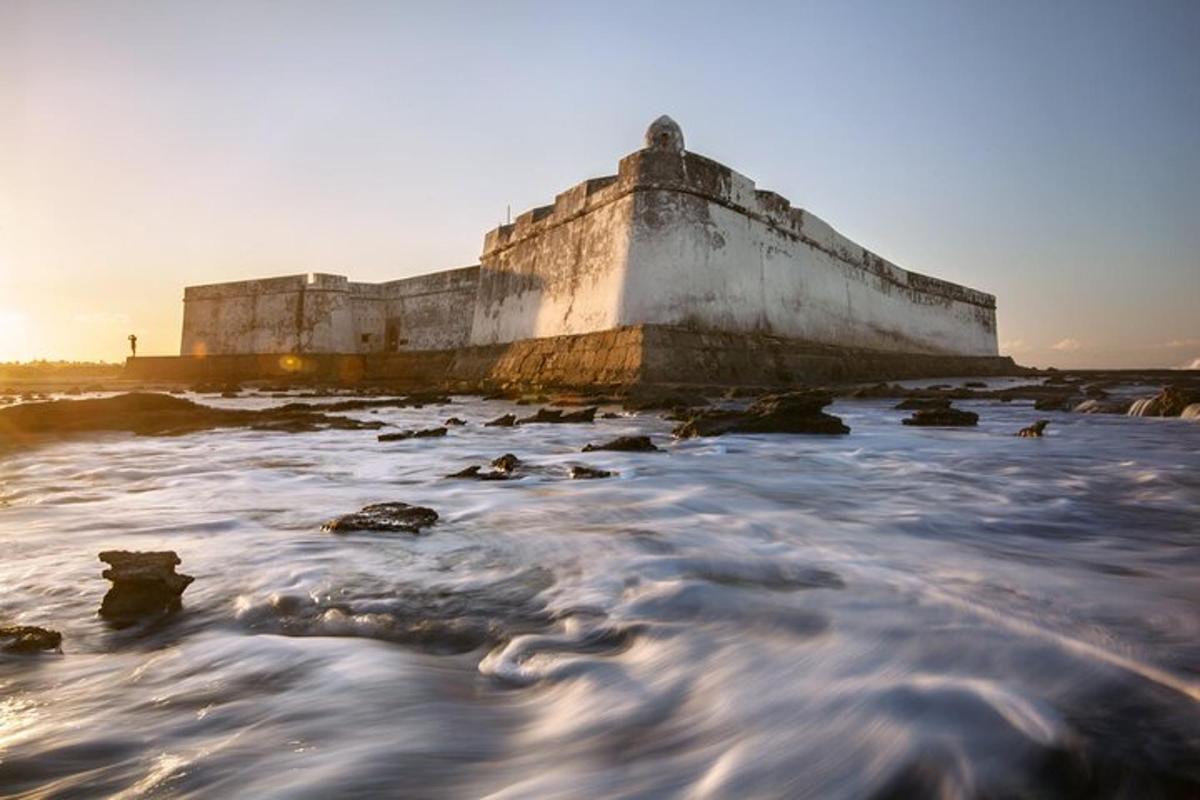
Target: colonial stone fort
675, 270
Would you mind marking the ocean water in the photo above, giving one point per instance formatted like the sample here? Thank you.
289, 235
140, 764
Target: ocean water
899, 612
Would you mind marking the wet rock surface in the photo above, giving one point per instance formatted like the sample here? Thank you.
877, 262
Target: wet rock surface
144, 584
795, 412
389, 517
1035, 430
444, 621
454, 422
504, 421
943, 418
625, 444
580, 472
154, 414
503, 468
27, 639
557, 415
426, 433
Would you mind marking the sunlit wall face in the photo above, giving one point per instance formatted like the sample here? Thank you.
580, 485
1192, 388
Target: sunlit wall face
1048, 155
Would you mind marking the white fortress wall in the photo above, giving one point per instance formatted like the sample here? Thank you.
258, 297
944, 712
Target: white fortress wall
558, 269
429, 312
322, 313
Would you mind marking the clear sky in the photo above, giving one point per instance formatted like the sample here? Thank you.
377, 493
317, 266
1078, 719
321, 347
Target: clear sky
1048, 153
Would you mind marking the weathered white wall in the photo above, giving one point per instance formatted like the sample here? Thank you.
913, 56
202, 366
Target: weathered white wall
699, 264
322, 313
558, 270
678, 239
430, 312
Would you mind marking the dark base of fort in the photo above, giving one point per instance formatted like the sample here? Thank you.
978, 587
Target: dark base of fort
626, 358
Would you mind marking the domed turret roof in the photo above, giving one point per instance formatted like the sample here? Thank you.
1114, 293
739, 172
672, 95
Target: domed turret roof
664, 134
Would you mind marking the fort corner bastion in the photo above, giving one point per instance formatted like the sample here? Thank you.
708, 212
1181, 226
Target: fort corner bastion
675, 270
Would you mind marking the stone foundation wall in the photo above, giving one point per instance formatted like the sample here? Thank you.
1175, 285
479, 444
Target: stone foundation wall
622, 359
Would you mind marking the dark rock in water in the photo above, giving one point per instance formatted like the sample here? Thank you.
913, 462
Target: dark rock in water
454, 421
795, 412
626, 444
922, 403
583, 473
943, 418
506, 463
144, 584
400, 517
24, 639
974, 385
503, 468
427, 433
557, 415
1034, 431
610, 415
506, 421
475, 472
153, 414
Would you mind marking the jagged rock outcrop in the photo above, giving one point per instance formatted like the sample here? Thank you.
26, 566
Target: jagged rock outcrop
579, 472
625, 444
390, 517
505, 421
25, 639
144, 584
503, 468
557, 415
795, 412
1035, 430
427, 433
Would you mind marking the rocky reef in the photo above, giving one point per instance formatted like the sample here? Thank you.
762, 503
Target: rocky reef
794, 412
144, 584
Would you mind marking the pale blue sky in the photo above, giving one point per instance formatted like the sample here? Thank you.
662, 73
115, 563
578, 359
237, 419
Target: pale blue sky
1048, 153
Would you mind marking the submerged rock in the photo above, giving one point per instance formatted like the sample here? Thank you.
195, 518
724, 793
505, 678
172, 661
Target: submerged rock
579, 472
427, 433
557, 415
25, 639
395, 517
506, 421
144, 584
454, 421
1034, 431
626, 444
943, 418
503, 468
795, 412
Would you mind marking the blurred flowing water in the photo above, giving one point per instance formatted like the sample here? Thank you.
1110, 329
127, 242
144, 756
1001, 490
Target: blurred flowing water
900, 612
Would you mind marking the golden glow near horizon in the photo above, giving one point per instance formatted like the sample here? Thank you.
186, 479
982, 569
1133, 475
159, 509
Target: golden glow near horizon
145, 147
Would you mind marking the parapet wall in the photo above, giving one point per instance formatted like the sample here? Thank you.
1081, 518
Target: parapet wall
678, 239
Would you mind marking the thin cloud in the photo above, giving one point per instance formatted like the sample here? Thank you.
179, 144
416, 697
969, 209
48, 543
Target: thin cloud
1014, 346
1176, 343
1068, 345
